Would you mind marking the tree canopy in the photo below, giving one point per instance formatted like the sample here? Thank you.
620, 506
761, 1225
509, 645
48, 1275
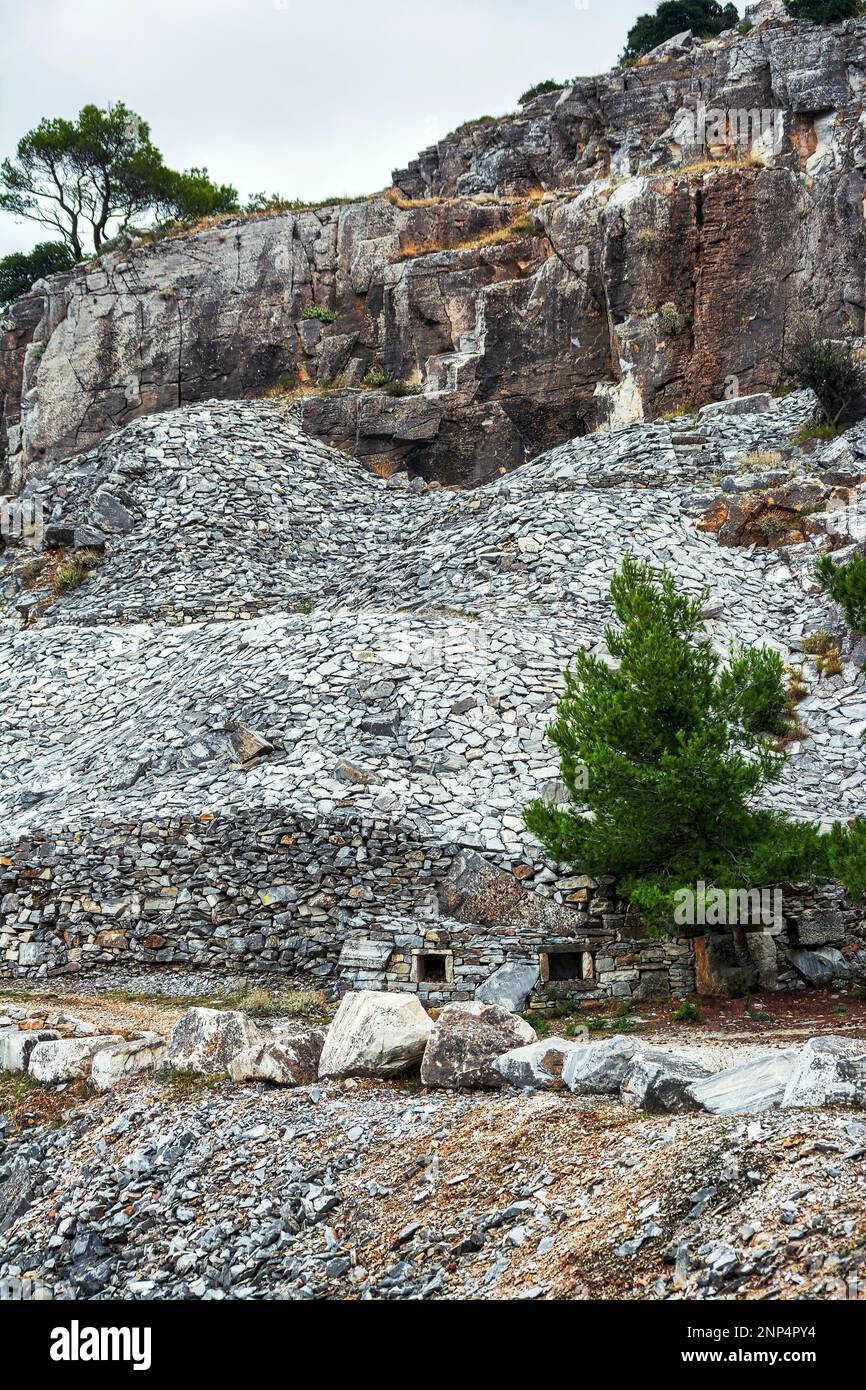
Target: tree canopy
824, 11
21, 269
662, 751
703, 17
88, 177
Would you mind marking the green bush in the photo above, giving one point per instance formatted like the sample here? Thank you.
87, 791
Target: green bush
662, 755
704, 17
22, 269
846, 585
318, 311
823, 11
377, 377
539, 90
404, 388
669, 317
686, 1013
829, 369
74, 569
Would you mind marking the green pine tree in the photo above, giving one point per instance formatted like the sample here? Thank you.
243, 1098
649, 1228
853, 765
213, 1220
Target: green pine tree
662, 752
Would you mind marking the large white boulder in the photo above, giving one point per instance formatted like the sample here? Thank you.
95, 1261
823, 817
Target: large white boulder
755, 1085
538, 1065
510, 986
207, 1040
375, 1034
112, 1064
17, 1044
828, 1071
284, 1059
465, 1042
599, 1068
659, 1080
66, 1059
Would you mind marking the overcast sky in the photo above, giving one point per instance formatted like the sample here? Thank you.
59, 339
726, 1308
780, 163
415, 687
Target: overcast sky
309, 99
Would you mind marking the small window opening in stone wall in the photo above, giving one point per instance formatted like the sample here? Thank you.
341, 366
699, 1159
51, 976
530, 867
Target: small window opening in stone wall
432, 967
556, 966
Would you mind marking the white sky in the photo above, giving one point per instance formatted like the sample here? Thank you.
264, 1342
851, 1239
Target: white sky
311, 100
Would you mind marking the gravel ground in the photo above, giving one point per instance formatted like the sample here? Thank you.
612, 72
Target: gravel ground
382, 1191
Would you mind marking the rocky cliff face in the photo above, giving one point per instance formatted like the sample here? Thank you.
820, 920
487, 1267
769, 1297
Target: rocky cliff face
529, 279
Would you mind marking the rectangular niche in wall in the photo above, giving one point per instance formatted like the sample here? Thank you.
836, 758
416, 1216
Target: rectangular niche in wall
432, 967
556, 965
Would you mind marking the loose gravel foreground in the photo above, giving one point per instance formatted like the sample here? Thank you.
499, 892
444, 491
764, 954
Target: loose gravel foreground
174, 1189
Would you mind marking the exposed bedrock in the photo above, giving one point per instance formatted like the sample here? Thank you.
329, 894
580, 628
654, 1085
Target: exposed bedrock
637, 283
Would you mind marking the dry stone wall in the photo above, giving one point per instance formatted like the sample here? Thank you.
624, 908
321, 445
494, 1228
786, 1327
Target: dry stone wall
356, 904
345, 903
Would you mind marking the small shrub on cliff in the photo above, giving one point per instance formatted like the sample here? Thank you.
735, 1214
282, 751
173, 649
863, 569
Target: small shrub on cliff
318, 311
669, 318
74, 569
540, 89
646, 240
846, 585
824, 11
376, 377
404, 388
662, 753
830, 370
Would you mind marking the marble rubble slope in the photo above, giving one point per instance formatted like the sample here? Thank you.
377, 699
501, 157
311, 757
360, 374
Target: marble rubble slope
600, 257
272, 626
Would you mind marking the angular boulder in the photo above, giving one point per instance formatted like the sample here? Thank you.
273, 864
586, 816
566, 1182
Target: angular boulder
538, 1066
67, 1059
283, 1059
16, 1045
475, 891
510, 986
756, 404
113, 1064
599, 1068
206, 1040
820, 967
820, 927
658, 1080
375, 1034
756, 1085
828, 1071
465, 1042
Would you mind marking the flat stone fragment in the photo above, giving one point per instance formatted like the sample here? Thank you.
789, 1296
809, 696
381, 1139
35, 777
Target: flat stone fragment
510, 986
599, 1068
465, 1042
16, 1046
820, 967
67, 1059
113, 1064
283, 1059
756, 1085
659, 1080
